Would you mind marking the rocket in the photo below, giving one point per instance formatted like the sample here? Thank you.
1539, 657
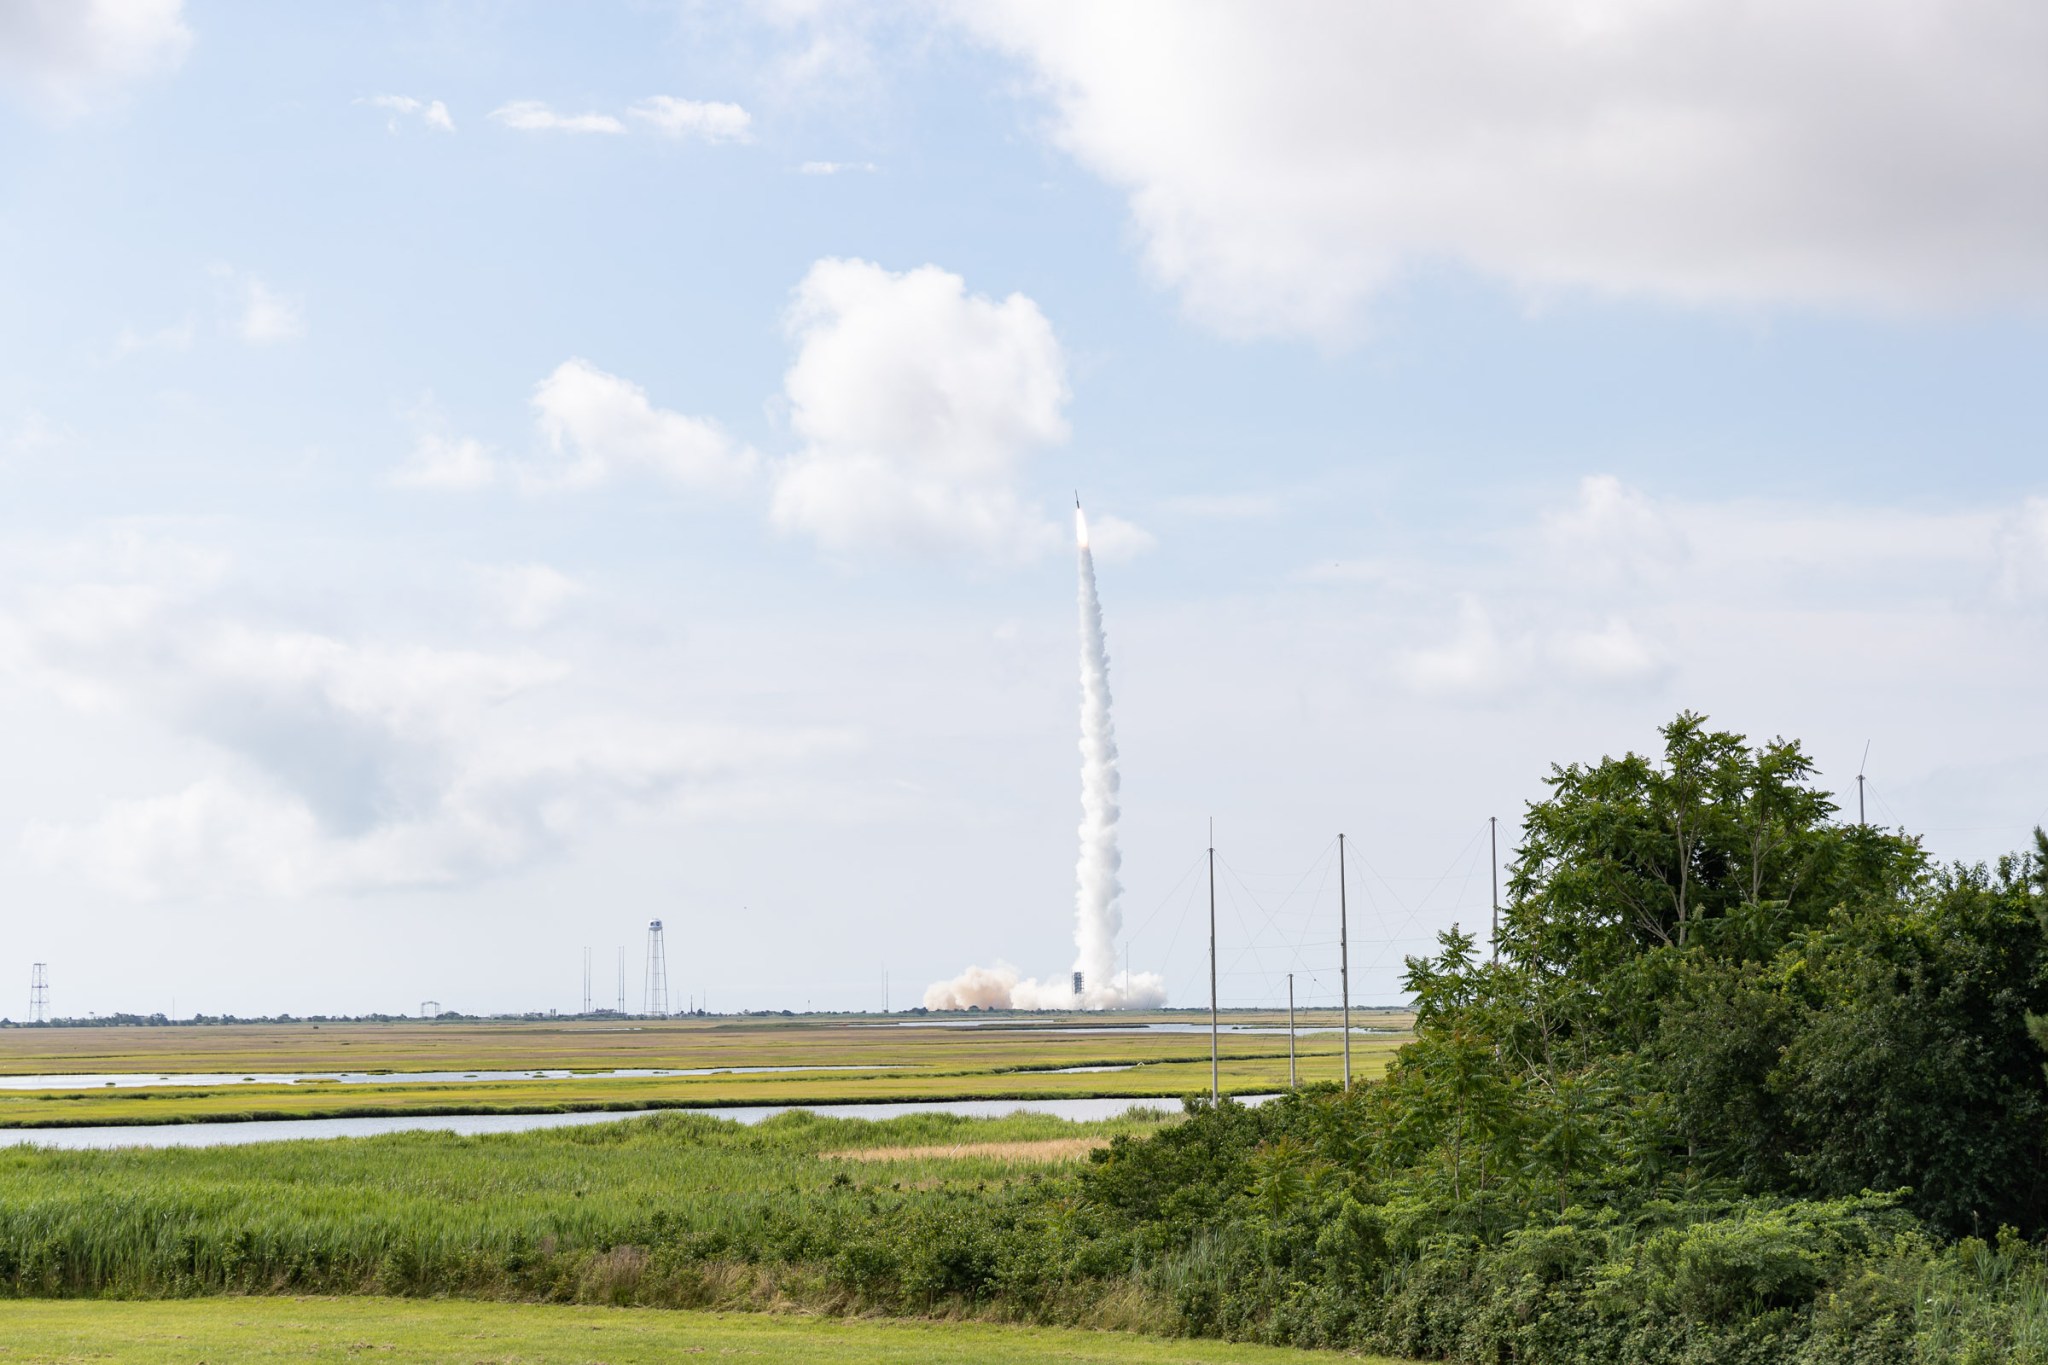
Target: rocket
1080, 523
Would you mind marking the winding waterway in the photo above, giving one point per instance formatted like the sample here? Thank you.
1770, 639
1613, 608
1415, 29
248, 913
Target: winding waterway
286, 1130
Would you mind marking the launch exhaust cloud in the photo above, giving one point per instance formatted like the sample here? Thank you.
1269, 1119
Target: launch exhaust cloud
1096, 982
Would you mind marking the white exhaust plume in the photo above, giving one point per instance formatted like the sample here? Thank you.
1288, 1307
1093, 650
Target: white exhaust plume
1097, 920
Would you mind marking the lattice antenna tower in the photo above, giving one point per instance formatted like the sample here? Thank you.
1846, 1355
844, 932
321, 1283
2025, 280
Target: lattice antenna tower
586, 980
655, 1000
39, 993
622, 979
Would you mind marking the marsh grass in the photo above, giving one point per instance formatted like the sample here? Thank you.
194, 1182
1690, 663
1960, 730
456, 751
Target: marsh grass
673, 1210
911, 1064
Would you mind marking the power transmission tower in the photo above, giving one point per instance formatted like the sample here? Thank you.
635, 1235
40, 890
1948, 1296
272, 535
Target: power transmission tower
622, 979
655, 1002
39, 993
586, 980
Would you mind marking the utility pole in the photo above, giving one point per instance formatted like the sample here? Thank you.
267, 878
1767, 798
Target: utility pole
1493, 847
1215, 1087
1344, 956
1291, 1083
1863, 763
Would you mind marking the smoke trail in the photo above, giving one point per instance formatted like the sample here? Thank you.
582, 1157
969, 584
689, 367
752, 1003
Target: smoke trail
1097, 919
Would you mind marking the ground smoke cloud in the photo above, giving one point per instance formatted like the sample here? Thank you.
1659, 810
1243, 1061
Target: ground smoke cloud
1097, 919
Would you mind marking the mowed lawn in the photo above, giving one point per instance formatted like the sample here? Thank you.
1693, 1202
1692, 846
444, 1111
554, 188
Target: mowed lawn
275, 1331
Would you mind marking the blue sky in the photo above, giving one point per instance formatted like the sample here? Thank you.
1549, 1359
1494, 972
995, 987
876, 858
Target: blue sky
477, 478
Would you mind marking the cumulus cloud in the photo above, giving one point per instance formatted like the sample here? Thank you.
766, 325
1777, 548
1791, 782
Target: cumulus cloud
451, 463
266, 316
2023, 551
705, 120
1113, 538
338, 764
834, 167
1286, 163
527, 596
917, 402
63, 58
1613, 535
1615, 655
1614, 591
177, 336
431, 113
34, 435
600, 426
534, 116
1475, 662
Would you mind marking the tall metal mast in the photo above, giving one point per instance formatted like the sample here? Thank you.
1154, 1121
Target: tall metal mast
1215, 1088
1291, 1083
1344, 956
1493, 847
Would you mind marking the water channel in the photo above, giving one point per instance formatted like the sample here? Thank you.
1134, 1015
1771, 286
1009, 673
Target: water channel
285, 1130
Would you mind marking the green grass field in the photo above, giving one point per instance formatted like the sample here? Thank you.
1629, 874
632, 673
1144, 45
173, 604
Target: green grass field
1013, 1060
259, 1331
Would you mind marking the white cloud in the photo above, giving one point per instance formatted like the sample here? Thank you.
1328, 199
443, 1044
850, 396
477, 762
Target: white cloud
1614, 655
834, 167
917, 402
454, 463
1476, 662
431, 113
63, 58
34, 435
533, 116
1625, 592
1286, 163
177, 336
2023, 551
1113, 538
527, 596
601, 426
709, 121
1614, 535
337, 764
268, 317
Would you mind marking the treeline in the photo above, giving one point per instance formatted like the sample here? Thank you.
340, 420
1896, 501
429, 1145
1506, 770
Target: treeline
1744, 1083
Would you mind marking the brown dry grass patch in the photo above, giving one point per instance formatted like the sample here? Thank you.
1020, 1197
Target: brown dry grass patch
1045, 1150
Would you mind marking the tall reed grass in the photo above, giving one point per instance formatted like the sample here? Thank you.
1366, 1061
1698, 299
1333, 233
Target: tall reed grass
678, 1209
